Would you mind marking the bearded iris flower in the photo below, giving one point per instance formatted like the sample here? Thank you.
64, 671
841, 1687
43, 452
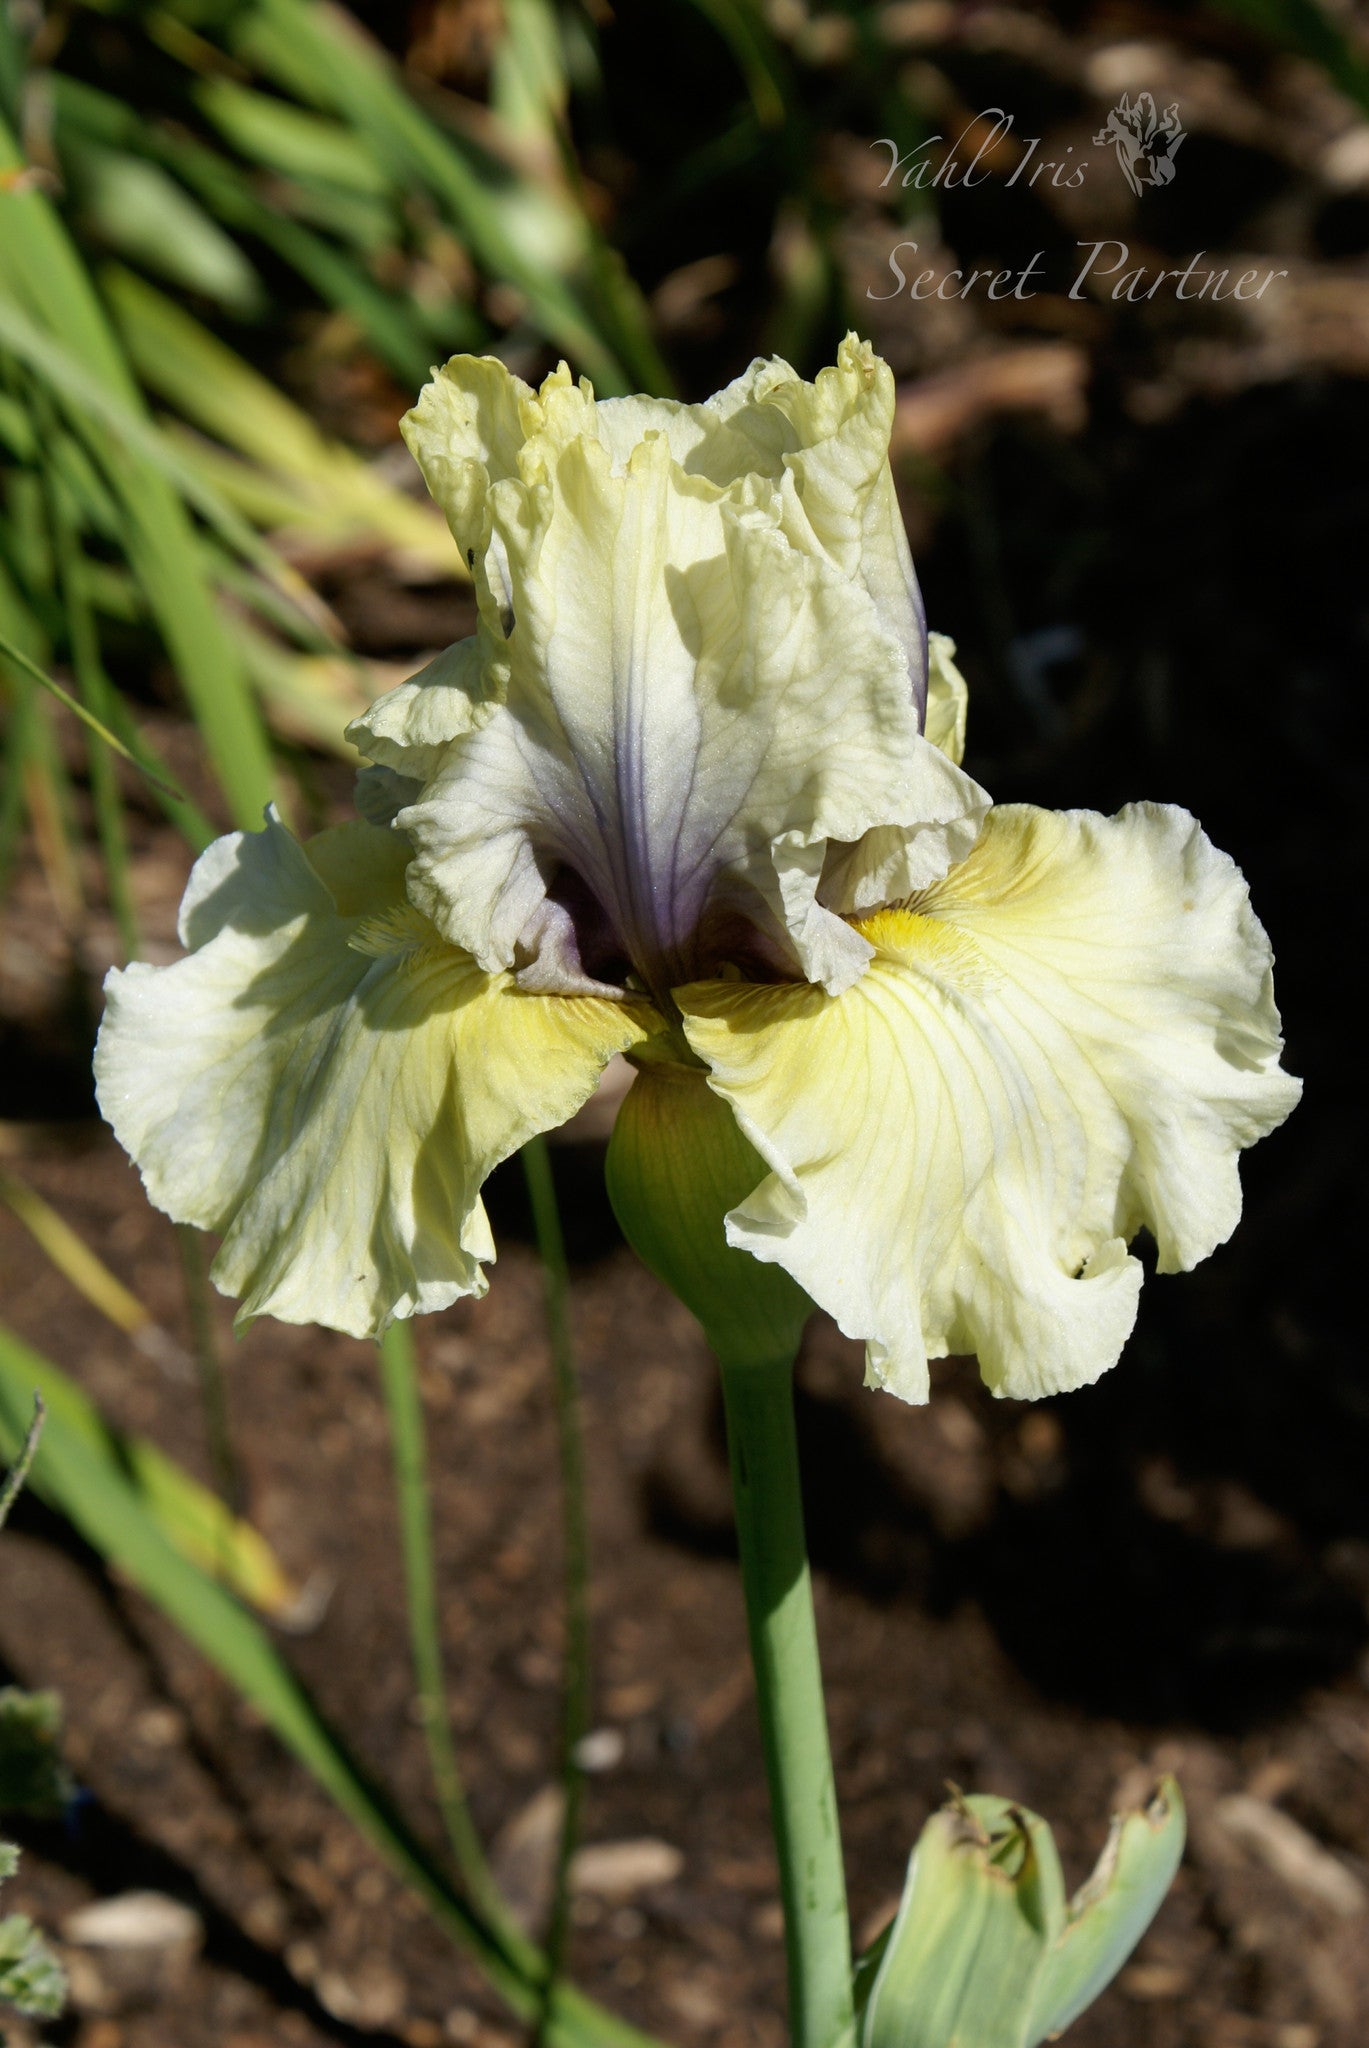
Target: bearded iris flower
692, 792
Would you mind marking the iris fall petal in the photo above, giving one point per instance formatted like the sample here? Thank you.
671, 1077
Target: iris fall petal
326, 1083
1070, 1036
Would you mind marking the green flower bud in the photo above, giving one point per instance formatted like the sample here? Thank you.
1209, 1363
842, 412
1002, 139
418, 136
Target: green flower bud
676, 1164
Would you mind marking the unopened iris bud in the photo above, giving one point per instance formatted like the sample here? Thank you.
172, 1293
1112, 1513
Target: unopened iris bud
676, 1164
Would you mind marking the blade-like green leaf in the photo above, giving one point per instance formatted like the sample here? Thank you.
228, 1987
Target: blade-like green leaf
188, 1514
312, 697
229, 193
983, 1902
530, 94
212, 387
287, 138
120, 438
22, 737
134, 208
50, 803
506, 220
404, 1408
43, 284
87, 717
71, 482
390, 324
190, 821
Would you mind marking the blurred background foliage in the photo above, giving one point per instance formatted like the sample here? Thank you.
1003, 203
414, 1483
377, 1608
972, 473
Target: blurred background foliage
234, 234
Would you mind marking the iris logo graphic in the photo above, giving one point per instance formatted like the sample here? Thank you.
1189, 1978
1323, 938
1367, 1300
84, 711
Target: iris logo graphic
1147, 141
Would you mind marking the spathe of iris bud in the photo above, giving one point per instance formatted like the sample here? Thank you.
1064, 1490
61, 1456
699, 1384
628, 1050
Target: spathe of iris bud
676, 1164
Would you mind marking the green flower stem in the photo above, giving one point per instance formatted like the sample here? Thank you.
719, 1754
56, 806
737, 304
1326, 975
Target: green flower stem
578, 1699
784, 1652
209, 1368
399, 1379
12, 1485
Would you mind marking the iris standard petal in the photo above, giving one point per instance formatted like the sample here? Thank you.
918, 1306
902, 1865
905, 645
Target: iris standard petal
889, 861
466, 431
948, 700
1070, 1036
407, 729
661, 717
695, 706
404, 733
842, 486
327, 1083
823, 448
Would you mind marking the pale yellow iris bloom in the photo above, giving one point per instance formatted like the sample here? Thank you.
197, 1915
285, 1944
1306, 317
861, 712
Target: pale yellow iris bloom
695, 781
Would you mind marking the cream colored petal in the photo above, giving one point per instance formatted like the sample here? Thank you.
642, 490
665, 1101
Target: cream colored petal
695, 706
700, 437
821, 447
890, 862
326, 1083
824, 449
467, 430
470, 431
948, 700
843, 488
1138, 933
1070, 1036
474, 421
407, 728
